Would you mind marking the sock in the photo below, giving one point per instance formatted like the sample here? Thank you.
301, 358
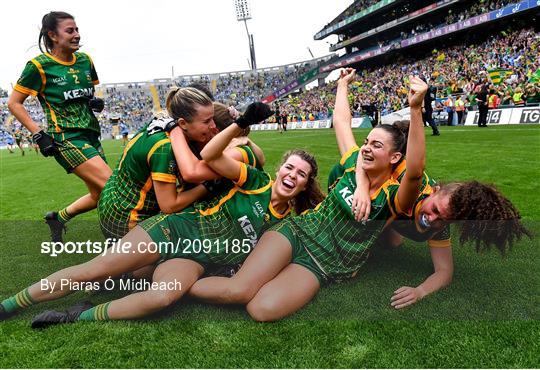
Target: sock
64, 216
18, 301
98, 313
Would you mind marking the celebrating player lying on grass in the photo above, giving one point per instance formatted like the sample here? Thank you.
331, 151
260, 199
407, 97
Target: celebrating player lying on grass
63, 80
145, 180
218, 232
429, 220
324, 245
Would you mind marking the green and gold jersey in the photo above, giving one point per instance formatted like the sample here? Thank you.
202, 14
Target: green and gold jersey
336, 242
63, 89
224, 229
18, 135
128, 196
249, 157
407, 224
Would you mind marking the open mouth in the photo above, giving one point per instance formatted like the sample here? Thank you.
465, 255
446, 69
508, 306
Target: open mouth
423, 221
367, 158
288, 184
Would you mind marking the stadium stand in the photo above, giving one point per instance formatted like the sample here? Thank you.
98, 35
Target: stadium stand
385, 41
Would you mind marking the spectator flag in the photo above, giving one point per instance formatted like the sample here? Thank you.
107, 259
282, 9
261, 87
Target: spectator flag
441, 57
535, 77
498, 74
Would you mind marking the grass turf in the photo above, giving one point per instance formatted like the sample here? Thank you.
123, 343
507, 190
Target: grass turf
488, 316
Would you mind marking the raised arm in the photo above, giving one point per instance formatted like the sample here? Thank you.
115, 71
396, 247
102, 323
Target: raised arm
219, 162
409, 187
191, 168
342, 112
213, 151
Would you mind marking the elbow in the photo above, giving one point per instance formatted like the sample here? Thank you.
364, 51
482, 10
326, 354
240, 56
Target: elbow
191, 176
11, 105
447, 280
168, 209
207, 155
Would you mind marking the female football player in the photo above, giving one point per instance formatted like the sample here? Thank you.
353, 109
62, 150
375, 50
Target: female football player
220, 231
324, 245
63, 79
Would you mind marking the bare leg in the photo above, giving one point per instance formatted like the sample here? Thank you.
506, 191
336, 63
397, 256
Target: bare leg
95, 173
173, 272
270, 256
291, 290
100, 268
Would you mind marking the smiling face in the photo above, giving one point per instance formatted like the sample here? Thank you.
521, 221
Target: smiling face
292, 177
66, 36
378, 151
202, 128
435, 210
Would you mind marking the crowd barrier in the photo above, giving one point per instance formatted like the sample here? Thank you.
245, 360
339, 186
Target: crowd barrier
361, 122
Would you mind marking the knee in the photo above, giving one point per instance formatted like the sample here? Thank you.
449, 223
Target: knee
162, 299
240, 293
264, 310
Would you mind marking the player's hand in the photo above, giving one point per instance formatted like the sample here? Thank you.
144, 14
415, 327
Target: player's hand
47, 145
255, 113
417, 91
361, 205
96, 104
405, 296
161, 124
347, 75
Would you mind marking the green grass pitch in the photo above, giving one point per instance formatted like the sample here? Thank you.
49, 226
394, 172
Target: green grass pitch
488, 317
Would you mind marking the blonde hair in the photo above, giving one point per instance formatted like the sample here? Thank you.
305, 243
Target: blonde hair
182, 102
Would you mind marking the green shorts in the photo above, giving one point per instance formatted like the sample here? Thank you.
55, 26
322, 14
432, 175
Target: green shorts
76, 147
300, 255
170, 236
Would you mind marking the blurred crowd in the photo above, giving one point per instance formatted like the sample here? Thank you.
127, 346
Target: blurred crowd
474, 8
457, 70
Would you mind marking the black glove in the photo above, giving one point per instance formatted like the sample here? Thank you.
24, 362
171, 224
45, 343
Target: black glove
161, 124
255, 113
96, 104
47, 145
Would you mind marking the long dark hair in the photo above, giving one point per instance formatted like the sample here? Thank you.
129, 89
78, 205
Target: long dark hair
49, 22
399, 131
313, 194
485, 216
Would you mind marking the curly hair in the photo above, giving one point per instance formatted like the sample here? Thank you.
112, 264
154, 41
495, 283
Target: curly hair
484, 215
313, 194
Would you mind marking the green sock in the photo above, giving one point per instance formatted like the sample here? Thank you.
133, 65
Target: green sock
64, 216
98, 313
18, 301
